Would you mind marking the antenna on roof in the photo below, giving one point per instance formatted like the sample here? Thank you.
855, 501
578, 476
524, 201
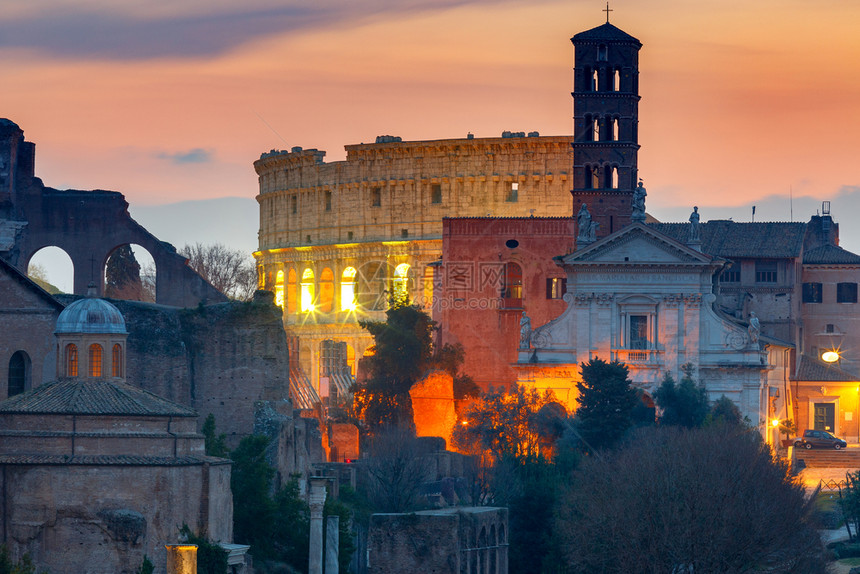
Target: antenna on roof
753, 214
790, 204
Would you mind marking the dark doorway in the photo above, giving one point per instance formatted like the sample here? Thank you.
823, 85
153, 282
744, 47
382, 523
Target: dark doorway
825, 417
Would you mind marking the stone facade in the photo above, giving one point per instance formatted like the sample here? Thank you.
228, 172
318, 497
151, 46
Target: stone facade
451, 541
87, 225
337, 239
28, 316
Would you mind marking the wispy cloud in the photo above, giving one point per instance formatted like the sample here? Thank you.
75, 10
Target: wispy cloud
196, 155
191, 29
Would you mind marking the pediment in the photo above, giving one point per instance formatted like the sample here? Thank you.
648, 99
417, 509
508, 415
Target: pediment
637, 244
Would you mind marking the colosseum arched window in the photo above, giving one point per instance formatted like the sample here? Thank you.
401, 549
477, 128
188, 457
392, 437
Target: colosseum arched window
291, 291
279, 289
347, 290
401, 281
308, 291
326, 303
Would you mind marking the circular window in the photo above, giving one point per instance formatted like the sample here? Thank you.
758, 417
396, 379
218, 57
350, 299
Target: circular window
512, 243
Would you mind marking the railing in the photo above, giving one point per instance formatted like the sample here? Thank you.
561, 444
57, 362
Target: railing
636, 356
301, 391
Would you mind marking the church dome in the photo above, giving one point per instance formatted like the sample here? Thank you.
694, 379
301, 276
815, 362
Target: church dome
91, 315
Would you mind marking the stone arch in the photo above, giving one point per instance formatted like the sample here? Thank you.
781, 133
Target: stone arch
400, 282
20, 373
292, 296
57, 266
117, 362
279, 288
70, 360
347, 290
95, 360
141, 280
307, 295
326, 291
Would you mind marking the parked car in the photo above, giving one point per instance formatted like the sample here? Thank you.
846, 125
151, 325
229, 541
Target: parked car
819, 439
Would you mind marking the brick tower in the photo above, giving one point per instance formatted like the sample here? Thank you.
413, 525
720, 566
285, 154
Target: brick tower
606, 117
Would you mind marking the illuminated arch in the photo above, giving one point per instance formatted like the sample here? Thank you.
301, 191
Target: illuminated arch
308, 291
326, 303
116, 361
71, 360
291, 291
95, 360
401, 281
279, 289
347, 290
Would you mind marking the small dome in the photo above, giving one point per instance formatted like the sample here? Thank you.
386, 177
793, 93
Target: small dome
91, 315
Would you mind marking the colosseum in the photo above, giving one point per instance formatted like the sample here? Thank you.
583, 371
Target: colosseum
338, 239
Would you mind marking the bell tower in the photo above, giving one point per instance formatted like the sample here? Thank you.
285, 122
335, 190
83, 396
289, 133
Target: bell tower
606, 118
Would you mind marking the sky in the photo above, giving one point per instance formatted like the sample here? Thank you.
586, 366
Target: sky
743, 103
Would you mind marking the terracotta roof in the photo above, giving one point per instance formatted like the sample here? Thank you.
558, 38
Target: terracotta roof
811, 369
725, 238
605, 32
109, 460
830, 254
92, 397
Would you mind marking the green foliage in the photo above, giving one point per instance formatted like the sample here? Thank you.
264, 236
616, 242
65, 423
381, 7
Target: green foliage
147, 567
724, 411
684, 404
291, 527
851, 501
606, 403
122, 275
211, 558
251, 483
504, 423
215, 444
7, 566
403, 352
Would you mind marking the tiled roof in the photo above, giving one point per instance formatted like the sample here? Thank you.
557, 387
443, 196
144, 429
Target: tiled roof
30, 284
92, 397
109, 460
830, 254
605, 32
91, 315
724, 238
811, 369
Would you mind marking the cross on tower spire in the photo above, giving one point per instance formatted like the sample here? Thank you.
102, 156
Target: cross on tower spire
608, 10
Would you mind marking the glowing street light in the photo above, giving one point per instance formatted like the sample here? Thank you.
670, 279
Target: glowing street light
830, 356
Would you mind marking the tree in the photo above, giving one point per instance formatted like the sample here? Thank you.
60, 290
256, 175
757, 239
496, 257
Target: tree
402, 353
725, 411
231, 271
396, 471
684, 404
606, 403
505, 423
122, 275
251, 483
706, 500
214, 444
8, 566
39, 275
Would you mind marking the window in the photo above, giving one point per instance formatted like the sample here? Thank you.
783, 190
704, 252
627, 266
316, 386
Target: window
326, 303
347, 290
592, 177
765, 271
376, 197
404, 233
95, 360
613, 129
294, 204
428, 287
279, 290
349, 235
602, 53
638, 331
307, 291
71, 360
616, 80
846, 292
555, 287
400, 287
732, 275
594, 134
291, 291
328, 200
812, 292
19, 373
435, 193
512, 286
513, 191
116, 363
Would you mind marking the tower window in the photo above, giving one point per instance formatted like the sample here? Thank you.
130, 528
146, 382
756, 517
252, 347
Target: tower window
513, 192
436, 193
595, 130
328, 200
613, 129
95, 357
592, 177
616, 80
811, 293
376, 197
611, 177
602, 53
404, 233
294, 204
846, 292
593, 81
555, 287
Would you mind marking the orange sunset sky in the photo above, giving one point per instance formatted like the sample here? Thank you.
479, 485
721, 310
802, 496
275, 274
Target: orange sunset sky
742, 102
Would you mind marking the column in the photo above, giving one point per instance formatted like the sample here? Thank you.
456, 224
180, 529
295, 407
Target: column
316, 502
332, 544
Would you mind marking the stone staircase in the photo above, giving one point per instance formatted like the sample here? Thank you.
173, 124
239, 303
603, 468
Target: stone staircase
828, 458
